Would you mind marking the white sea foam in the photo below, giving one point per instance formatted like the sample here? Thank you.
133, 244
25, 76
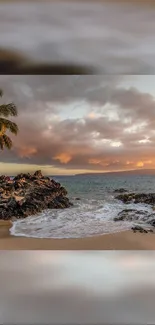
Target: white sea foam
86, 218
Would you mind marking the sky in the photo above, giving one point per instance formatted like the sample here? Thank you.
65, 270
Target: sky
77, 124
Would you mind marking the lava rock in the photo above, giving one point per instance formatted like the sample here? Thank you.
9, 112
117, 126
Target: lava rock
152, 223
137, 198
38, 174
29, 194
140, 229
131, 215
126, 214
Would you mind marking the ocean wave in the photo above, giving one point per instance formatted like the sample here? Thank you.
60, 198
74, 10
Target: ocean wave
87, 218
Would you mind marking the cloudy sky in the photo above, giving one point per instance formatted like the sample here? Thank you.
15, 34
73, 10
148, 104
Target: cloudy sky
76, 124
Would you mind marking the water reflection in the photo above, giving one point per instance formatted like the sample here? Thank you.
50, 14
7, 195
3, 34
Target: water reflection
113, 37
82, 287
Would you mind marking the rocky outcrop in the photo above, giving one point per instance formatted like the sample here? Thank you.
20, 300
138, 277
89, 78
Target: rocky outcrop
28, 194
137, 198
141, 229
131, 215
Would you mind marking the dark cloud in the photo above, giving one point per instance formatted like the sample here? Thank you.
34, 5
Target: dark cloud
106, 137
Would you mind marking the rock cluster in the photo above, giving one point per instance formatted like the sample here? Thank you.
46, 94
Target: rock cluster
132, 215
137, 198
136, 215
28, 194
141, 229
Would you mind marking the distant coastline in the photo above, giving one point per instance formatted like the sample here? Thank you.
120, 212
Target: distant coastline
119, 173
126, 172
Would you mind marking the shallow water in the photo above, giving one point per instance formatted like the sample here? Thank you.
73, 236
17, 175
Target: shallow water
113, 37
93, 214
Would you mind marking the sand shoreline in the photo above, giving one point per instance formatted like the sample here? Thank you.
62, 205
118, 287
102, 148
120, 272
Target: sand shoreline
125, 240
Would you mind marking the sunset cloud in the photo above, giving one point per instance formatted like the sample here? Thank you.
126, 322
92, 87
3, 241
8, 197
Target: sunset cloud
81, 123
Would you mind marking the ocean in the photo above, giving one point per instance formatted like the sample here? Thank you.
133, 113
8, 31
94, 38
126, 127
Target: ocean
95, 210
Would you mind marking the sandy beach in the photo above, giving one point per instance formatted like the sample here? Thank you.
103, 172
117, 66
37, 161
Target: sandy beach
126, 240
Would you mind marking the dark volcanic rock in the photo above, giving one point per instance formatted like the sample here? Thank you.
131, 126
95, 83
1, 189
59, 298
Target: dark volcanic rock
38, 174
126, 214
152, 223
137, 198
131, 215
120, 190
141, 229
28, 194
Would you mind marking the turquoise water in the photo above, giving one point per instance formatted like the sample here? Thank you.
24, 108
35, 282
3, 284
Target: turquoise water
97, 186
91, 215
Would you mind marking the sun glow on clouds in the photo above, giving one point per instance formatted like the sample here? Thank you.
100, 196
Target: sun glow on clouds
140, 164
143, 163
27, 152
81, 126
129, 162
64, 158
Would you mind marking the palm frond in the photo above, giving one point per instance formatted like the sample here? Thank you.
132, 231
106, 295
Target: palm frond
8, 110
2, 129
11, 126
1, 142
5, 141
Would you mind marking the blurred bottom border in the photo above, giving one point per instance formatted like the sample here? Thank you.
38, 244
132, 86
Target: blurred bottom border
82, 287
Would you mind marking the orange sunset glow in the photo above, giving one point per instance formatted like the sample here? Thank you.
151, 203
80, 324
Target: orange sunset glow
81, 124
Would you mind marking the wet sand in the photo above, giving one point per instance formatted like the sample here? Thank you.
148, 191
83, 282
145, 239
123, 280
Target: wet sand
126, 240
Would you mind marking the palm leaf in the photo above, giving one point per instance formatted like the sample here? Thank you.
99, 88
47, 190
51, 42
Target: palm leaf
5, 141
2, 129
11, 126
1, 142
8, 110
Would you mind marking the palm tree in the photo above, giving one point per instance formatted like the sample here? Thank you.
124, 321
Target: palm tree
7, 110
